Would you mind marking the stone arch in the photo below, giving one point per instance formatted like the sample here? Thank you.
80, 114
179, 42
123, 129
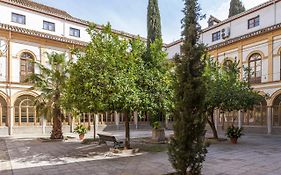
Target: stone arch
21, 93
4, 99
275, 103
5, 96
229, 59
279, 51
255, 52
27, 51
273, 97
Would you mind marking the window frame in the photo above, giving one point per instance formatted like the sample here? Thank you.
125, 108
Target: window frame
27, 61
48, 24
253, 78
74, 31
17, 17
25, 114
255, 22
216, 36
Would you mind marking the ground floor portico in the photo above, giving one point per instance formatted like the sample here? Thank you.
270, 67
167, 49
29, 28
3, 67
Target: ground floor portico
18, 115
264, 118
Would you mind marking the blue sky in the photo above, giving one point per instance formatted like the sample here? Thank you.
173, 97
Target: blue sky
130, 15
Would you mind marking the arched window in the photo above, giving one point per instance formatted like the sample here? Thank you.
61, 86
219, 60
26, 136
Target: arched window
26, 65
255, 68
25, 111
3, 112
227, 63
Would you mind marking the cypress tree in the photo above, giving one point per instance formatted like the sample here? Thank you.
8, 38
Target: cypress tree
187, 149
236, 7
153, 22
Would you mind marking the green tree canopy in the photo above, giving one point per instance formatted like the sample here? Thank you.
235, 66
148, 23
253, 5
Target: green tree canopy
111, 75
236, 7
226, 91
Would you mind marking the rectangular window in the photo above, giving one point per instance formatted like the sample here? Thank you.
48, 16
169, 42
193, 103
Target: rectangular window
74, 32
216, 36
254, 22
49, 26
17, 18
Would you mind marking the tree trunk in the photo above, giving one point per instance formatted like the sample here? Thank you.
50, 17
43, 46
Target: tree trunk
127, 130
212, 125
57, 124
95, 132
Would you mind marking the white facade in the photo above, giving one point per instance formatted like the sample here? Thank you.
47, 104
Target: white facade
30, 37
245, 40
34, 21
238, 25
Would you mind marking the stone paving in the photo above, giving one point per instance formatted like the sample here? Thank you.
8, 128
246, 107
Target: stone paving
5, 164
254, 155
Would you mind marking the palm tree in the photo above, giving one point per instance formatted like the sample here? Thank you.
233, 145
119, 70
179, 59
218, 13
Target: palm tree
50, 82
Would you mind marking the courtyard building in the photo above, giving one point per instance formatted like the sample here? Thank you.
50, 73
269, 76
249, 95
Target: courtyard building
29, 30
252, 39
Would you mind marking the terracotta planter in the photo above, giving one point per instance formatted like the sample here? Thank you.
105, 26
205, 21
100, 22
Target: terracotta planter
233, 140
158, 135
81, 136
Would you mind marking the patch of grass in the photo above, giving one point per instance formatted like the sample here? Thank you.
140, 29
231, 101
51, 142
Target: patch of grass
210, 141
152, 147
89, 141
145, 144
42, 139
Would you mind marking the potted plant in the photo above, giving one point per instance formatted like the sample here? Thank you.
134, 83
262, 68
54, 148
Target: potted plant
81, 130
234, 133
158, 133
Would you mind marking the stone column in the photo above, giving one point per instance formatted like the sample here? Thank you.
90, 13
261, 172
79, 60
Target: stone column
89, 121
240, 118
136, 119
106, 118
269, 119
44, 123
117, 119
11, 119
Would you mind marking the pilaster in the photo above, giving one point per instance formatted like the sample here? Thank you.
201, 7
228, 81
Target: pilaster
270, 57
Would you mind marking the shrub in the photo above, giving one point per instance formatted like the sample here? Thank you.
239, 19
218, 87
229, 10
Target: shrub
80, 129
234, 132
156, 125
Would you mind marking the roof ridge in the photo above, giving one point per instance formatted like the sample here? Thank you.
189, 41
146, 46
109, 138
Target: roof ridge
30, 4
241, 14
40, 6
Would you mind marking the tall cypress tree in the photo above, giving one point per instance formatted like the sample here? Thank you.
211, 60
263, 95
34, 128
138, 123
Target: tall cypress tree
153, 22
236, 7
187, 149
